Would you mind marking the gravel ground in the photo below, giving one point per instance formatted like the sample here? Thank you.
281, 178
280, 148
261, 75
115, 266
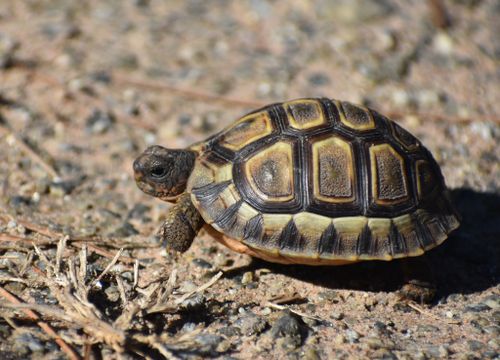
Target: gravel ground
86, 86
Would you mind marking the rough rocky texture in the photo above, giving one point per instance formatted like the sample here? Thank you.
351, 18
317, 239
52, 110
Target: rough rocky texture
86, 86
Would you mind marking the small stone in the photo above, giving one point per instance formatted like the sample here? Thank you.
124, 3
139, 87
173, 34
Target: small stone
207, 344
373, 342
311, 354
381, 328
475, 345
24, 342
290, 326
492, 329
112, 293
330, 295
124, 230
384, 354
386, 40
319, 79
493, 343
425, 328
443, 43
477, 308
427, 98
336, 315
492, 301
99, 122
194, 302
202, 263
436, 351
352, 336
230, 331
339, 339
266, 311
251, 324
247, 278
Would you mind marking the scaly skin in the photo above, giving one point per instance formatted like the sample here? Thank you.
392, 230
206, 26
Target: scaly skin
182, 225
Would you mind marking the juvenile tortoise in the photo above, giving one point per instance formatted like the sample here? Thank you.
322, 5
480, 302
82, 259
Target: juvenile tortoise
309, 181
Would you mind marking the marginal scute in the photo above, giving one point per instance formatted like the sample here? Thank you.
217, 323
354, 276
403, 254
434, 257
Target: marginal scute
270, 173
389, 182
426, 180
247, 130
311, 227
304, 113
407, 140
348, 231
333, 170
355, 116
273, 225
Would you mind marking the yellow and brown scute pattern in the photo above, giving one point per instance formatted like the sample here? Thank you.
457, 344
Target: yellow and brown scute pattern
318, 181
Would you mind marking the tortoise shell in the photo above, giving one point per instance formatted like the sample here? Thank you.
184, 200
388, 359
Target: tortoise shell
321, 181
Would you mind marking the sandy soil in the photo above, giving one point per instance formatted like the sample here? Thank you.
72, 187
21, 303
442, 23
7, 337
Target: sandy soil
86, 86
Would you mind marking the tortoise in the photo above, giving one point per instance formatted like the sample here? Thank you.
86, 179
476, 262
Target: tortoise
310, 181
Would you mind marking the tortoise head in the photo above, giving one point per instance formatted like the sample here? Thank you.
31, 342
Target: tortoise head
163, 173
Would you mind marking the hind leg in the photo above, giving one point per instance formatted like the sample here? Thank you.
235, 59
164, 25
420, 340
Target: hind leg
420, 283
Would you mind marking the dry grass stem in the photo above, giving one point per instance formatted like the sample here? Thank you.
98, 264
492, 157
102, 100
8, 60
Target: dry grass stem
72, 354
298, 313
110, 265
200, 289
14, 139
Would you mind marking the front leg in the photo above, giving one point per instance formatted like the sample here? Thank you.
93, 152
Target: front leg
182, 224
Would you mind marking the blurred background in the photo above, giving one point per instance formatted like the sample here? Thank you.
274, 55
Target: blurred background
85, 86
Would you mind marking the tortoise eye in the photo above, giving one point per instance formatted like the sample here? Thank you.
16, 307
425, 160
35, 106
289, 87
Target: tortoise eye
158, 172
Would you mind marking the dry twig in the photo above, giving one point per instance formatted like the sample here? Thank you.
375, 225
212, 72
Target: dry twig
299, 313
200, 289
14, 139
72, 354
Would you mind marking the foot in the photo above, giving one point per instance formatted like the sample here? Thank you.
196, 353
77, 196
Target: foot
422, 292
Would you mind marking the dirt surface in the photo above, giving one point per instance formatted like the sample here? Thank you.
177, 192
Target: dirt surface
86, 86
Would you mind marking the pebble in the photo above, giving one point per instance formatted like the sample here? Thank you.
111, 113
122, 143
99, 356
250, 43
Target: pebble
124, 230
194, 302
229, 331
492, 329
336, 315
251, 324
443, 43
207, 344
311, 354
381, 328
352, 336
437, 351
8, 47
339, 339
289, 325
26, 343
319, 79
247, 278
112, 293
374, 342
202, 263
492, 301
475, 345
425, 328
477, 308
99, 122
